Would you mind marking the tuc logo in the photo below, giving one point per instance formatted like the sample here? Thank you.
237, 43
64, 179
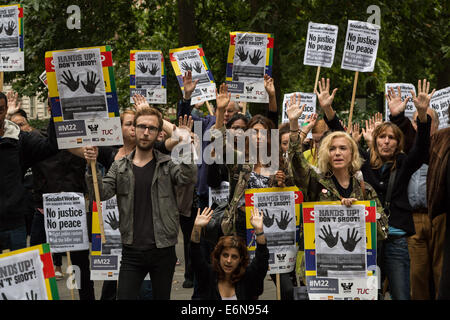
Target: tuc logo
362, 291
108, 132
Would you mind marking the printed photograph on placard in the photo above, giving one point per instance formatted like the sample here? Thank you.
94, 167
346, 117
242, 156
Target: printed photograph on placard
80, 83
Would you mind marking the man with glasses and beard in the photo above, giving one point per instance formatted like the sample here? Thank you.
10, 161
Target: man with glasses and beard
144, 182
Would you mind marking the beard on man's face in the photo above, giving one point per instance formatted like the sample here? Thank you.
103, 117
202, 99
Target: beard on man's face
146, 146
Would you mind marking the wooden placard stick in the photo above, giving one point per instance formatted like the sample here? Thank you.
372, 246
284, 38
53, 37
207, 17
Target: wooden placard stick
277, 279
350, 116
1, 81
244, 108
97, 199
69, 265
317, 79
210, 109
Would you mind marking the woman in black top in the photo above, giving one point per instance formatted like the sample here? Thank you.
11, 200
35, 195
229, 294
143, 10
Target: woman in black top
230, 276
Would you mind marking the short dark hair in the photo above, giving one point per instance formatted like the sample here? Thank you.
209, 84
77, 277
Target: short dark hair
235, 117
149, 112
22, 113
3, 96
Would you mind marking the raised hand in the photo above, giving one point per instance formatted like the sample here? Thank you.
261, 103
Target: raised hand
256, 220
328, 237
140, 102
422, 100
32, 296
70, 81
310, 121
198, 67
112, 220
269, 86
268, 221
223, 98
90, 84
284, 222
324, 97
186, 67
184, 129
351, 242
257, 55
242, 54
154, 69
142, 67
203, 218
13, 104
188, 84
293, 109
10, 28
395, 103
356, 132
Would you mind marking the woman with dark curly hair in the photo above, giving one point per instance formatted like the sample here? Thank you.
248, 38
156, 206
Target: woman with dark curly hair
230, 276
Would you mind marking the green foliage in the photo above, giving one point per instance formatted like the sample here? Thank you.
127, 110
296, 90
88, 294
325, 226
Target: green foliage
414, 41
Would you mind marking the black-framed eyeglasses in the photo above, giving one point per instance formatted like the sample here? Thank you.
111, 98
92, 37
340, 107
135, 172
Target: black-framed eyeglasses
142, 127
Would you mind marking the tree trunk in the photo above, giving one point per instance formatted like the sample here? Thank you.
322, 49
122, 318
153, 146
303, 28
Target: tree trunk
186, 23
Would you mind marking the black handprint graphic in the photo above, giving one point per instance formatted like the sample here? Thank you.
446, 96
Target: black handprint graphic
1, 28
70, 81
4, 297
284, 222
198, 67
153, 70
112, 220
142, 67
351, 242
186, 67
328, 237
242, 54
32, 296
267, 221
10, 28
90, 84
257, 55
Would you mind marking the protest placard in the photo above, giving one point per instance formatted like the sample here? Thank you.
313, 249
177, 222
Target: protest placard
406, 92
281, 210
148, 75
219, 195
193, 59
337, 284
320, 45
28, 274
250, 56
43, 78
361, 46
11, 38
440, 101
310, 99
85, 113
65, 221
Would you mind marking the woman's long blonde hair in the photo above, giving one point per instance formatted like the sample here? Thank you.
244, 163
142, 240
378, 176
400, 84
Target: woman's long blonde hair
323, 162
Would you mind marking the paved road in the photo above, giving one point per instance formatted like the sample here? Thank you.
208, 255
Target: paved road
178, 292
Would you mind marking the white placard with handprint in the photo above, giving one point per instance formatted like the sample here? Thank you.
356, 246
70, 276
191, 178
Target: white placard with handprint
80, 82
340, 234
278, 209
22, 277
405, 89
148, 77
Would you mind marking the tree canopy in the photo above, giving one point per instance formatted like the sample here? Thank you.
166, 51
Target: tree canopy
414, 40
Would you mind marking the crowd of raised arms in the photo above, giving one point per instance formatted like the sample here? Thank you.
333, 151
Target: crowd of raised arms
402, 164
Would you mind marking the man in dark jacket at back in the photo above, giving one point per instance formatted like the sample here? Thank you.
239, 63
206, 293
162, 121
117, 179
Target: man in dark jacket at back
18, 151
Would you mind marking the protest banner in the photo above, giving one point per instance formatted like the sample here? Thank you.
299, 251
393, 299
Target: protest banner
28, 274
310, 99
65, 221
360, 53
219, 195
340, 258
281, 210
320, 46
193, 59
11, 38
440, 101
106, 257
148, 76
406, 92
85, 114
250, 56
43, 78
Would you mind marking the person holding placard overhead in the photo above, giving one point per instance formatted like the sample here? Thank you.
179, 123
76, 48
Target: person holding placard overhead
386, 165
